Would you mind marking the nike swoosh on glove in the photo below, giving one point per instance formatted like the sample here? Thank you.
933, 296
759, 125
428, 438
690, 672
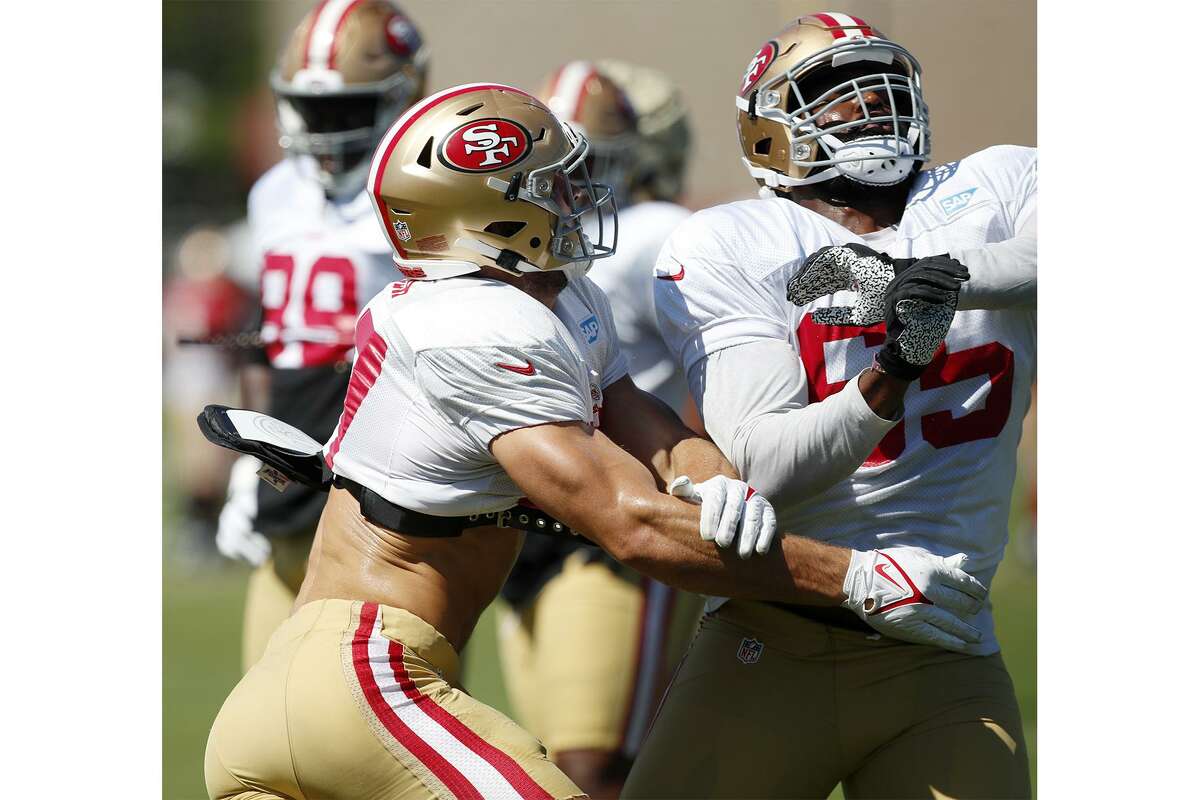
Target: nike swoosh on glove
730, 510
911, 594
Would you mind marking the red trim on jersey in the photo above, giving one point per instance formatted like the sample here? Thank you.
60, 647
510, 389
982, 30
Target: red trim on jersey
749, 491
336, 30
509, 769
454, 780
316, 14
391, 145
367, 365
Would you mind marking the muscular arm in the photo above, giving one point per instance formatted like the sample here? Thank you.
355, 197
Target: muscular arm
652, 433
756, 409
583, 478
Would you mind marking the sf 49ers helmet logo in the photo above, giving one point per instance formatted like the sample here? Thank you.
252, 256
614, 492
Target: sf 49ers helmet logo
758, 65
485, 145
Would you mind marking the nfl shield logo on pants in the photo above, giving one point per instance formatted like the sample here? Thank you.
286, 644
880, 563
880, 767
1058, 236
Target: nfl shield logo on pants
750, 651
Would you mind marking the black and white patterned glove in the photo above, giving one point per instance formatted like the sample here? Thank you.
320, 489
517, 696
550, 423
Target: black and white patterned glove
918, 309
853, 267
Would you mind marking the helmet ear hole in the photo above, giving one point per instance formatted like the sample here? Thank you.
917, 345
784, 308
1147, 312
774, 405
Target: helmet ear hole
763, 146
535, 242
426, 156
505, 230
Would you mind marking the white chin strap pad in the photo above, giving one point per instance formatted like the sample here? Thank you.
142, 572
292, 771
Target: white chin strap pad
875, 160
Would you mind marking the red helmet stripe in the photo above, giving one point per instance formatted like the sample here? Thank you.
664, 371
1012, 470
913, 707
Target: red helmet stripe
834, 26
570, 88
341, 22
312, 26
393, 136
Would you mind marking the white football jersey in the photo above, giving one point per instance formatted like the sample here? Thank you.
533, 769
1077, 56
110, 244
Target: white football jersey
444, 367
942, 478
320, 262
627, 277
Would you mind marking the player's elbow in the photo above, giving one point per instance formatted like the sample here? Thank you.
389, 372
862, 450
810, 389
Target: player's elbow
626, 532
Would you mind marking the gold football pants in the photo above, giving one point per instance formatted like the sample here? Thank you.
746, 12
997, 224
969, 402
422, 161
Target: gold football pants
586, 662
358, 701
270, 594
768, 704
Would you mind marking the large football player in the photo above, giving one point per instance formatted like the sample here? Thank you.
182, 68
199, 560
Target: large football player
802, 320
493, 374
349, 69
591, 707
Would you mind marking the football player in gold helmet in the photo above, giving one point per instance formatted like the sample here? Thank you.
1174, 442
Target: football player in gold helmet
850, 369
489, 386
347, 71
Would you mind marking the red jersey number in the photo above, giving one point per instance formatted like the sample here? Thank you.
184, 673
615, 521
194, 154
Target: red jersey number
939, 428
328, 316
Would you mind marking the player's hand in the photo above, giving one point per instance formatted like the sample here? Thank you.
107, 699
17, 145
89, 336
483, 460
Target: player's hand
730, 510
918, 309
853, 267
911, 594
236, 537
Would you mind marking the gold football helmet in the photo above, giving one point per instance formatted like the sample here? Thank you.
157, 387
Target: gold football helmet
660, 159
816, 63
483, 175
578, 93
348, 70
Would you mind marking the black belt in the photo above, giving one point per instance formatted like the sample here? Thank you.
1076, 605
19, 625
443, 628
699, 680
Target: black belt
379, 510
836, 616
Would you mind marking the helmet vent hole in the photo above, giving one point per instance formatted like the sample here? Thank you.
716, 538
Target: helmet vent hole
400, 212
535, 242
505, 230
469, 109
541, 135
425, 159
763, 146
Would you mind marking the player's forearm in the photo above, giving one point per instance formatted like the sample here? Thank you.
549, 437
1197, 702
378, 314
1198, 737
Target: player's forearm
665, 545
795, 454
1003, 274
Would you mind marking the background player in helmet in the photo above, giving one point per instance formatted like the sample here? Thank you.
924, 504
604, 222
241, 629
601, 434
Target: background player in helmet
481, 381
872, 435
590, 706
349, 68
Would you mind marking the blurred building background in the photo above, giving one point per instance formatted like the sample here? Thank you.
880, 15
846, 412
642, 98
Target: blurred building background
979, 58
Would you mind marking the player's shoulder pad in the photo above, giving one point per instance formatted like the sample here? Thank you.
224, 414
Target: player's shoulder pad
1001, 165
754, 237
469, 312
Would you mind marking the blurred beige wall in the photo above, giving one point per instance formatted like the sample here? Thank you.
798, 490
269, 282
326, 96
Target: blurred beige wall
979, 58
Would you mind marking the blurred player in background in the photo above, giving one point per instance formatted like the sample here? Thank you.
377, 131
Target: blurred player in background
350, 68
860, 427
591, 706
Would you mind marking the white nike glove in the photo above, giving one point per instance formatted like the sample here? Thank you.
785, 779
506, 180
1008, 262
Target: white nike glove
911, 594
236, 537
730, 509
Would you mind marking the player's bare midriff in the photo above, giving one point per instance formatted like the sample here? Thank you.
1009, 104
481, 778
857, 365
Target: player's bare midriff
447, 582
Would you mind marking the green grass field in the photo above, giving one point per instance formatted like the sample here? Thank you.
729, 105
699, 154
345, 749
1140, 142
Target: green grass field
201, 636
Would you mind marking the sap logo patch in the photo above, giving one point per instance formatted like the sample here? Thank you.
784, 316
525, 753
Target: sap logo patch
957, 202
591, 329
750, 651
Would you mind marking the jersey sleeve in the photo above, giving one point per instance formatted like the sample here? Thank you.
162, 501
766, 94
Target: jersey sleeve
1004, 273
714, 289
616, 366
488, 390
